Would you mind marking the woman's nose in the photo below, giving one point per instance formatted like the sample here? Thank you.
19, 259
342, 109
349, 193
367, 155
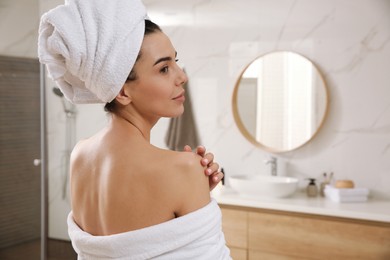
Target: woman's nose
182, 77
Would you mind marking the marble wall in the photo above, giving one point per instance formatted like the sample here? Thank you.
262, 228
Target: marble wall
19, 28
348, 40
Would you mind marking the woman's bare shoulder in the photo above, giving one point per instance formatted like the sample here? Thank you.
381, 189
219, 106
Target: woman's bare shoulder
188, 182
181, 163
84, 152
87, 147
78, 151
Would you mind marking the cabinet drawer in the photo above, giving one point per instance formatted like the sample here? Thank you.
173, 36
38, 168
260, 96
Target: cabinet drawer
238, 253
256, 255
235, 227
315, 237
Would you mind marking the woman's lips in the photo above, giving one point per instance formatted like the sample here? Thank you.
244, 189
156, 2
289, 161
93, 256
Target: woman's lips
180, 97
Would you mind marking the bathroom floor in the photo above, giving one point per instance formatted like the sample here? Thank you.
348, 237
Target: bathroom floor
57, 250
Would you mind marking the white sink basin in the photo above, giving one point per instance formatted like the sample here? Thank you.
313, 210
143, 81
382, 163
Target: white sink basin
264, 186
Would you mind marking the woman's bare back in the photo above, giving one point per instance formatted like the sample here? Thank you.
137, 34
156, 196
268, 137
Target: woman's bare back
120, 182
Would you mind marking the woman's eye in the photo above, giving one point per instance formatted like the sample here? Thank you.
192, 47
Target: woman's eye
164, 69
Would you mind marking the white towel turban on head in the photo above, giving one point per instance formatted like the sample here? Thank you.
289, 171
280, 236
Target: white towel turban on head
90, 46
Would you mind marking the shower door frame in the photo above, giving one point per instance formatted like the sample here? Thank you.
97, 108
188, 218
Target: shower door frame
43, 164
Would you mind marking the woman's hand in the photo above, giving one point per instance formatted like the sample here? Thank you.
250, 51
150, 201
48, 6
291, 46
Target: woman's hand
212, 168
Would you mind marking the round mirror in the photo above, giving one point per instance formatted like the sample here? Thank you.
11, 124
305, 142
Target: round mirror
280, 101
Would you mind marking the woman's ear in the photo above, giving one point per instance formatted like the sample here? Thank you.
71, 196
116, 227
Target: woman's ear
123, 96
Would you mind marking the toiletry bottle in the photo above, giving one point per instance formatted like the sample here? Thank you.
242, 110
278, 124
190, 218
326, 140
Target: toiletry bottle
312, 189
323, 184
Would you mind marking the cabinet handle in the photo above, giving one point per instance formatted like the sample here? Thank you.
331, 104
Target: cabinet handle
37, 162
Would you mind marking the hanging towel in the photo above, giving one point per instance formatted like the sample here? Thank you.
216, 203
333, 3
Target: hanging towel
197, 235
90, 46
182, 130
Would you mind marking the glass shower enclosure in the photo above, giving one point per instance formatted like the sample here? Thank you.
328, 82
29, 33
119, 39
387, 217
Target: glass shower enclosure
21, 188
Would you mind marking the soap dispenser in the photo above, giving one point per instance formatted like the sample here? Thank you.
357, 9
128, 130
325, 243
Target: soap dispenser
312, 189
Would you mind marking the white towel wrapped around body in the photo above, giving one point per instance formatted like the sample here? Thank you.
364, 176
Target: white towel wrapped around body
90, 46
197, 235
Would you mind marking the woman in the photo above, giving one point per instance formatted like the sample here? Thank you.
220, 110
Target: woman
130, 199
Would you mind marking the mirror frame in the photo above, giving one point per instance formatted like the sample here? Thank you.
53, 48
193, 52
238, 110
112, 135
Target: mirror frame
246, 133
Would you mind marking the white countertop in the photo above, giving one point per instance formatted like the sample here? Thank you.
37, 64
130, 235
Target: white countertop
374, 210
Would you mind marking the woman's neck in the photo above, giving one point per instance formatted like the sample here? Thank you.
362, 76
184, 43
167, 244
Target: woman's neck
137, 125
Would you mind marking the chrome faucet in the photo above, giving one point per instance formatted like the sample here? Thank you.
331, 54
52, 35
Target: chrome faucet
273, 162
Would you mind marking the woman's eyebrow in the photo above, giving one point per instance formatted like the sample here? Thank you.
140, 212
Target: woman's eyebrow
164, 59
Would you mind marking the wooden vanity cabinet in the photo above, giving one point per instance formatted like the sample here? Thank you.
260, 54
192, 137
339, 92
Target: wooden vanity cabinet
253, 234
235, 228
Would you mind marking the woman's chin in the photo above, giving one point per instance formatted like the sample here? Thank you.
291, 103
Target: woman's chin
177, 113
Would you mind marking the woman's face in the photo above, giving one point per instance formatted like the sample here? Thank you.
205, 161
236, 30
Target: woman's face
158, 90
